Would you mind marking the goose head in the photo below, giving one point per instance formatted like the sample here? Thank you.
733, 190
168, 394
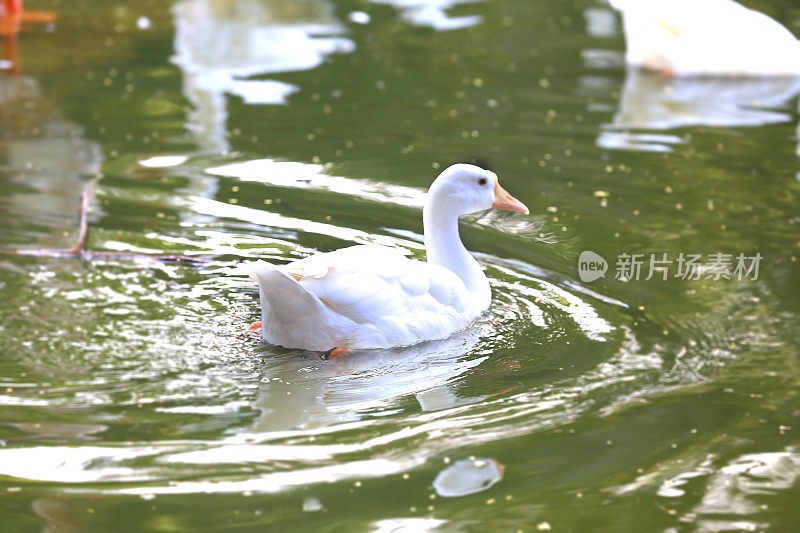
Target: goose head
462, 189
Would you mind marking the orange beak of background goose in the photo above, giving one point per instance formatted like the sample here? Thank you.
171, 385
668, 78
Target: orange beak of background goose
503, 200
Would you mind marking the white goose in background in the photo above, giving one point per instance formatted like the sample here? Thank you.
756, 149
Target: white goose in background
711, 37
370, 296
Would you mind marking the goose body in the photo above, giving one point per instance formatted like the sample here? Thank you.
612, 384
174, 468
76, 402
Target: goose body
371, 296
711, 37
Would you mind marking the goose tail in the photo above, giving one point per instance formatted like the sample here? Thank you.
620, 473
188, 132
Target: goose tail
291, 316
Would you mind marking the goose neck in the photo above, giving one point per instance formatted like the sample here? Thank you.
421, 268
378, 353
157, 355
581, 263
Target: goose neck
444, 247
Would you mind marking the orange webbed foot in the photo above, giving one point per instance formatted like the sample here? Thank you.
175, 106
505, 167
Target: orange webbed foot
666, 72
255, 326
338, 352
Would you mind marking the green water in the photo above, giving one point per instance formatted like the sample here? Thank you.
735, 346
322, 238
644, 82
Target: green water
132, 399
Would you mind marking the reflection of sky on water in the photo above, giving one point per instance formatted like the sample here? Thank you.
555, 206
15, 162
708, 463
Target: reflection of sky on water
433, 13
220, 46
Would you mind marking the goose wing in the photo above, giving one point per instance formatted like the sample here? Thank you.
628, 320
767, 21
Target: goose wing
369, 283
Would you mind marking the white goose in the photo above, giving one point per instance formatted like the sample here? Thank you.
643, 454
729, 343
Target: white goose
714, 37
371, 296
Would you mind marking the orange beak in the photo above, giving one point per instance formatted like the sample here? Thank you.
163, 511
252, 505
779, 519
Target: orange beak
503, 200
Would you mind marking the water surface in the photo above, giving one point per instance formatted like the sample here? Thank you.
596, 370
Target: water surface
132, 398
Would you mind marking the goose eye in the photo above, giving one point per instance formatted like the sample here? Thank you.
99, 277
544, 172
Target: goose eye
482, 181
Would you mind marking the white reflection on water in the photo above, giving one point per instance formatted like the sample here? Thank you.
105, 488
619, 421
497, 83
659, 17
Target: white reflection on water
731, 494
281, 481
738, 488
221, 45
313, 176
72, 464
298, 393
276, 220
407, 525
653, 102
433, 13
164, 161
601, 22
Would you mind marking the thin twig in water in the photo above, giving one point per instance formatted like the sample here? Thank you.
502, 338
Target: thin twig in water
83, 222
80, 251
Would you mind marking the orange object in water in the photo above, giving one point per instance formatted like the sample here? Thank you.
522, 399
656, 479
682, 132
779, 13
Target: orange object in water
12, 18
11, 7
